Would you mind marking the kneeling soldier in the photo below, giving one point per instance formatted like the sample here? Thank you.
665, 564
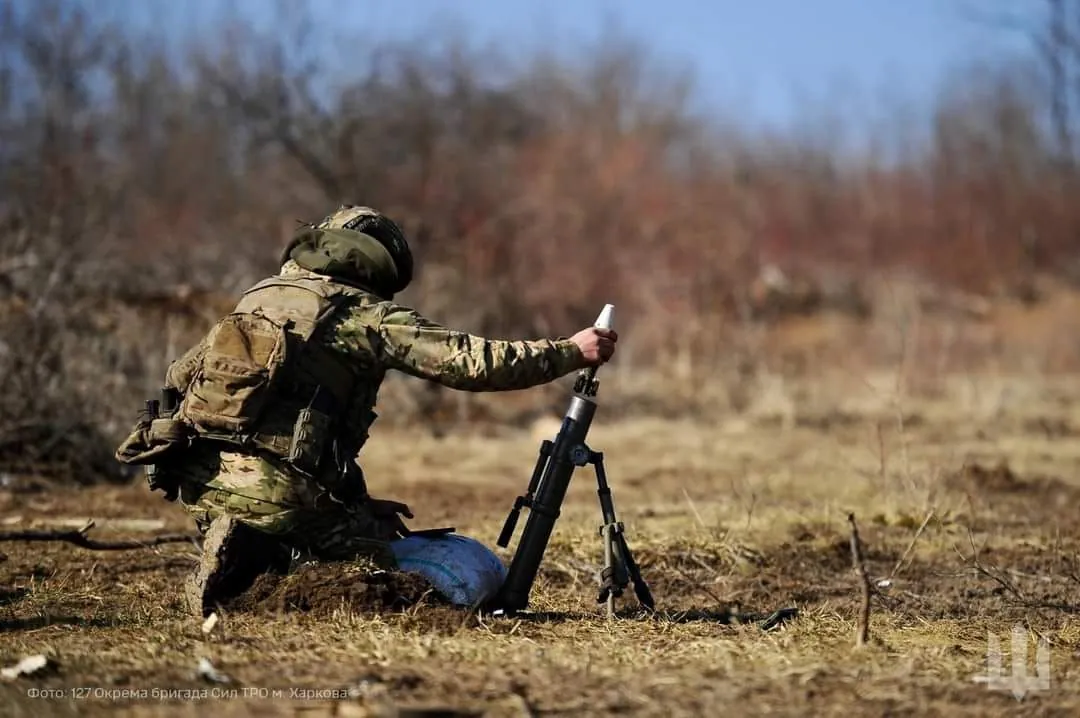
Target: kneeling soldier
264, 418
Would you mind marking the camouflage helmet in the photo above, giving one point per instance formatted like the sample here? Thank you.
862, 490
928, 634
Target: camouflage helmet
356, 245
375, 224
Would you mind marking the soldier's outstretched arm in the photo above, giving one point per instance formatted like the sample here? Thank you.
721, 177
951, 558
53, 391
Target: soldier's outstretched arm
404, 340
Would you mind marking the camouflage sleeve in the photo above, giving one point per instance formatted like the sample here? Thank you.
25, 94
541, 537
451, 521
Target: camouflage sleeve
401, 339
180, 372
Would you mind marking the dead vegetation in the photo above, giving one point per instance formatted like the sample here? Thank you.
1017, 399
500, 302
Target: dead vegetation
968, 534
146, 178
806, 333
80, 538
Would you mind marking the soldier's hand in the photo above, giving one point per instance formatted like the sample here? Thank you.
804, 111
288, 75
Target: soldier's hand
598, 345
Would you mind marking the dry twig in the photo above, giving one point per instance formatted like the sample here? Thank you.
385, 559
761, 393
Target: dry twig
693, 508
1008, 586
862, 635
914, 540
690, 579
79, 538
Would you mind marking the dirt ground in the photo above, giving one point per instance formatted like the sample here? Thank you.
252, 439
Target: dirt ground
966, 506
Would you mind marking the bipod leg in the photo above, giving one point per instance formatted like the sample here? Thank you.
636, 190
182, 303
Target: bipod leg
619, 565
641, 589
608, 589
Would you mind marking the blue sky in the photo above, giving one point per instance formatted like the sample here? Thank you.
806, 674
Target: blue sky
763, 59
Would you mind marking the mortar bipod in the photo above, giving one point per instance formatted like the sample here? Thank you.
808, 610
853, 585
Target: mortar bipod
619, 569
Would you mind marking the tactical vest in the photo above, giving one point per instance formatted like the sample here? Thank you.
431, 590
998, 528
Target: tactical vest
263, 384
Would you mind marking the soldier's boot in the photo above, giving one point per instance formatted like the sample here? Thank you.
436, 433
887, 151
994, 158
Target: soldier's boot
233, 556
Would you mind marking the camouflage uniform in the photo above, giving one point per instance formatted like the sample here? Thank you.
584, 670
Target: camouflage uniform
379, 335
326, 516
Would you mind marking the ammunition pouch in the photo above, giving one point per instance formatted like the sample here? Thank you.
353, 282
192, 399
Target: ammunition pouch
236, 379
155, 436
312, 434
155, 440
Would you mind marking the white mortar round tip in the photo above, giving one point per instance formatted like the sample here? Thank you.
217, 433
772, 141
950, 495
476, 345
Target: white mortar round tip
606, 320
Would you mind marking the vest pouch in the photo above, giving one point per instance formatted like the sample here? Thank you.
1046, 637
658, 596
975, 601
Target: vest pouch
151, 440
236, 379
311, 433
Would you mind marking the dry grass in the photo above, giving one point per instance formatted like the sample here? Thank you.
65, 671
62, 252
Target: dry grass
970, 516
130, 219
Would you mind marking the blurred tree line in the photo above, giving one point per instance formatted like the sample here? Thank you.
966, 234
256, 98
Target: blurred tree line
143, 184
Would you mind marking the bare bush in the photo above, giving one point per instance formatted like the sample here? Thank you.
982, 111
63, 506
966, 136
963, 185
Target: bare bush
142, 186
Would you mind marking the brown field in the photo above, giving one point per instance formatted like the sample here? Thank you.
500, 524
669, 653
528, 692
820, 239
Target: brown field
965, 503
763, 276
